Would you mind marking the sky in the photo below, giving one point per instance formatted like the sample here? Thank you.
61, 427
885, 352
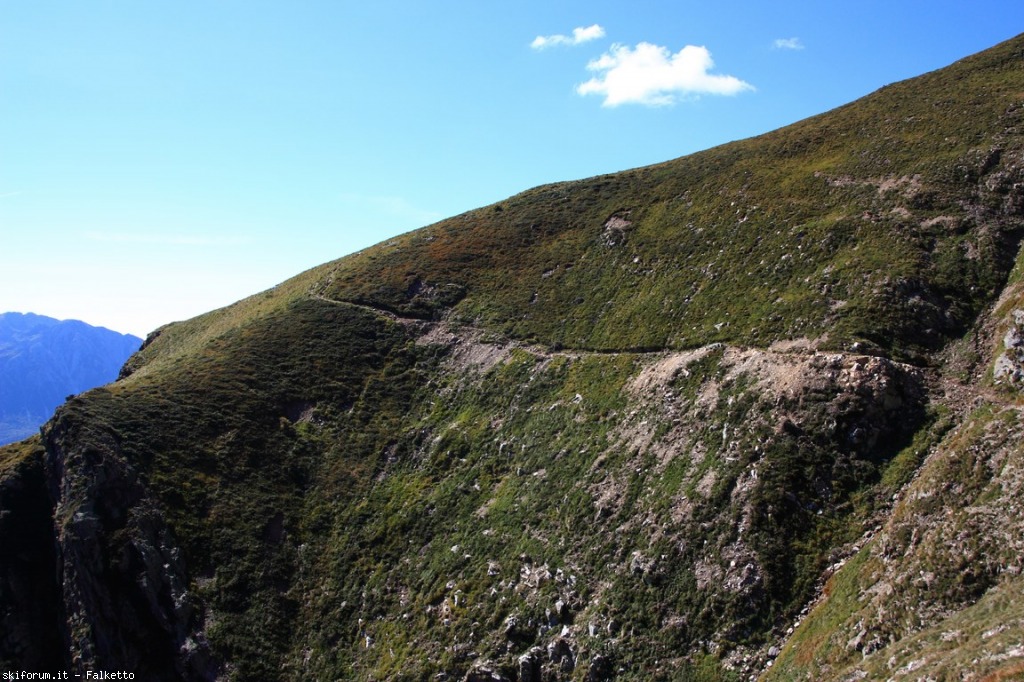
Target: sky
162, 159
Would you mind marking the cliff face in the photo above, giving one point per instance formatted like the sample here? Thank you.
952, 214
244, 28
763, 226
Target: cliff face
30, 612
754, 412
123, 584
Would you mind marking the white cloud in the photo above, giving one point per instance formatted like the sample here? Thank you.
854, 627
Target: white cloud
788, 44
651, 75
579, 35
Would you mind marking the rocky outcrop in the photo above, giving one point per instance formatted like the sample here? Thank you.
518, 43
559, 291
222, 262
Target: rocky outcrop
529, 665
125, 588
484, 672
30, 608
1009, 366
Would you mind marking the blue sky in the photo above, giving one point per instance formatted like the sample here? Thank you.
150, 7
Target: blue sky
161, 159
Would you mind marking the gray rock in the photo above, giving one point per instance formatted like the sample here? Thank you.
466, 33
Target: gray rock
600, 669
560, 652
484, 672
530, 665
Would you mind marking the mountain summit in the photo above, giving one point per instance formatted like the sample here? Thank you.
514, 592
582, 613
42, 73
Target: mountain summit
751, 412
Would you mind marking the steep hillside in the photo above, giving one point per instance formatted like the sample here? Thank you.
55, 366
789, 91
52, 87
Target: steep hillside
43, 361
752, 412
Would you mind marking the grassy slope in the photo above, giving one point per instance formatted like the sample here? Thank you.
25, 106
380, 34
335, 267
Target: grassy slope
868, 222
235, 436
850, 223
328, 478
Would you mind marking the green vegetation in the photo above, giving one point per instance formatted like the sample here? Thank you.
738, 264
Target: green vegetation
620, 427
850, 224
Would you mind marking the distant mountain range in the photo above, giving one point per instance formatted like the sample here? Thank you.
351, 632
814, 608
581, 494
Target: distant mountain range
43, 361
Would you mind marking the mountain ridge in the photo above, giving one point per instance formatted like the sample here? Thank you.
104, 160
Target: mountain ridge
750, 413
43, 360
